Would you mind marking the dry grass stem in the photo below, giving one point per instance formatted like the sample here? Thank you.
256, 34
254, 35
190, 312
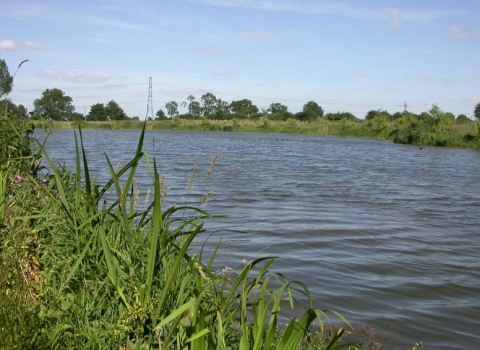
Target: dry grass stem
192, 177
212, 165
147, 197
117, 168
162, 181
165, 193
136, 193
206, 196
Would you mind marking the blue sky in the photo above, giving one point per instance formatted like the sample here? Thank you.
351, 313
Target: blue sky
349, 55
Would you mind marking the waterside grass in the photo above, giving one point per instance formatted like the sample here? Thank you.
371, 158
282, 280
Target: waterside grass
78, 273
403, 130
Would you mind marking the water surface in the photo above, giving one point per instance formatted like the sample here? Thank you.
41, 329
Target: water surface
386, 234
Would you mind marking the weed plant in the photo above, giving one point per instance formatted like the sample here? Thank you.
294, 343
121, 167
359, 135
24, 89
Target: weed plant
78, 273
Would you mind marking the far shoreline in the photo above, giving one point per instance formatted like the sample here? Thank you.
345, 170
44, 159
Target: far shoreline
457, 136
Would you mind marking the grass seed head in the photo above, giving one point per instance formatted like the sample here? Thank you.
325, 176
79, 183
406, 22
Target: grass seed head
192, 177
206, 196
212, 165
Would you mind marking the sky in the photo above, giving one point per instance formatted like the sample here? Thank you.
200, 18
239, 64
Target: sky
352, 56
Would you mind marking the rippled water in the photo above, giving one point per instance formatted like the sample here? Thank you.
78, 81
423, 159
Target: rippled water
386, 234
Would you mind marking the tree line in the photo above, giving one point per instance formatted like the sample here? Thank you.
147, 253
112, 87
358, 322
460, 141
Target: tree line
54, 104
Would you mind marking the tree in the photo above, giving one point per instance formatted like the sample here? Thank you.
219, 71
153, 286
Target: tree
195, 108
476, 111
22, 111
160, 115
6, 80
114, 111
190, 99
313, 106
77, 117
341, 116
8, 107
54, 104
223, 106
377, 113
462, 118
307, 115
97, 112
172, 108
244, 107
209, 103
277, 108
440, 117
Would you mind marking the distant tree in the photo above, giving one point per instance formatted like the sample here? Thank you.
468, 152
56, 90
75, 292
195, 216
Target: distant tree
341, 116
7, 106
462, 118
54, 104
195, 108
313, 107
378, 113
172, 108
476, 111
277, 108
6, 80
190, 99
245, 107
114, 111
222, 106
97, 113
209, 103
440, 117
425, 117
284, 115
22, 111
160, 115
307, 115
397, 115
77, 117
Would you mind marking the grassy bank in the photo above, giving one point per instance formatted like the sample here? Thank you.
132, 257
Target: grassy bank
403, 130
76, 272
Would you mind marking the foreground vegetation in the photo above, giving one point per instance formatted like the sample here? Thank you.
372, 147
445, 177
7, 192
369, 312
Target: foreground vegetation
78, 273
434, 128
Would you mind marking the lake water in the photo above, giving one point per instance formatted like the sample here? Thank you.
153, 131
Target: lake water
386, 234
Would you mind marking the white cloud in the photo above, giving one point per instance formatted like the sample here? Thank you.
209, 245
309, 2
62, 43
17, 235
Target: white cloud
218, 52
77, 77
223, 72
458, 34
428, 79
360, 75
29, 45
394, 22
395, 16
114, 87
196, 49
9, 45
252, 34
49, 74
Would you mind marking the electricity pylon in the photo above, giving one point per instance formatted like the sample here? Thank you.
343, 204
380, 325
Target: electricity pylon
150, 101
